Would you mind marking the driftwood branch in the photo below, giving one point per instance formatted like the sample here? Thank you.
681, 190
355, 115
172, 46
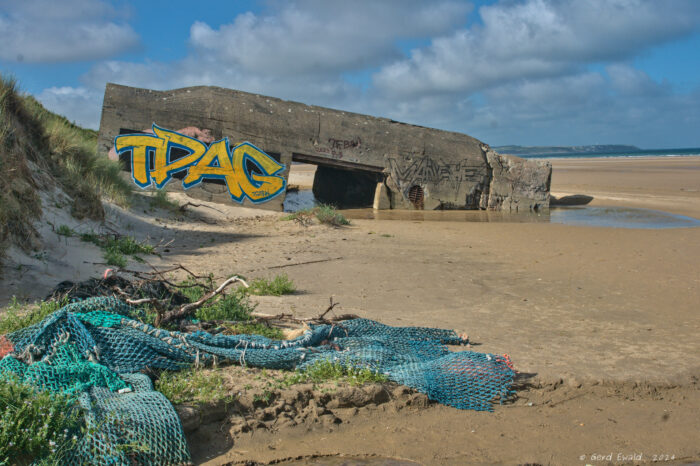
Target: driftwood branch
187, 309
157, 303
316, 261
192, 204
330, 308
259, 317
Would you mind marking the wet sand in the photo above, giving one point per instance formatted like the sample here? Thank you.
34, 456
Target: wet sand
671, 184
604, 319
603, 322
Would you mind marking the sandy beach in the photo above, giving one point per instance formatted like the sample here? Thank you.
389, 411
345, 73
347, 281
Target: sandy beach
671, 184
604, 319
601, 322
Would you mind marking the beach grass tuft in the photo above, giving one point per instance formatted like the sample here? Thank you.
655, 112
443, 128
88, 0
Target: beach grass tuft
278, 286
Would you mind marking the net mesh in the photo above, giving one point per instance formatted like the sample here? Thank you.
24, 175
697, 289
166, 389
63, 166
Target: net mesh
92, 349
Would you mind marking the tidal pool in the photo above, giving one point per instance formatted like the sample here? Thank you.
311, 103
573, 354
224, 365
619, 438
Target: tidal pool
592, 216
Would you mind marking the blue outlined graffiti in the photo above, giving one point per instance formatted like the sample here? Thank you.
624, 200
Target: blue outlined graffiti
152, 163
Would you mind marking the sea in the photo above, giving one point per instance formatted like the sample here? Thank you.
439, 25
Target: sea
639, 153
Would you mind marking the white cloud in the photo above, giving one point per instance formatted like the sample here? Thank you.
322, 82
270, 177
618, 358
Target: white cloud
80, 105
313, 36
47, 31
586, 108
300, 52
537, 38
523, 75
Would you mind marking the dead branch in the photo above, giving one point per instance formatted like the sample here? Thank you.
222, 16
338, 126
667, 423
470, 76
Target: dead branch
157, 303
187, 309
192, 204
161, 245
160, 274
295, 264
330, 308
272, 319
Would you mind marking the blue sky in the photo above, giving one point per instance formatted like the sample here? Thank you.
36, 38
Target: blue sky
528, 72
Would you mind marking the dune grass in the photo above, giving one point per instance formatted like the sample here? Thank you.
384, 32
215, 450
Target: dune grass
17, 316
161, 200
40, 149
278, 286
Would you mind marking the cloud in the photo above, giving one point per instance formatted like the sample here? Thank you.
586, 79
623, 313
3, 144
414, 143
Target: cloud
527, 72
301, 51
46, 31
620, 105
537, 38
80, 105
313, 36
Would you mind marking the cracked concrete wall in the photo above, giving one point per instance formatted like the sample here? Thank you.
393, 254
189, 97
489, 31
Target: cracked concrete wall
453, 170
517, 184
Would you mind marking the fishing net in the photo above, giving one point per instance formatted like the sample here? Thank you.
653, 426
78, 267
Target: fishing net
93, 349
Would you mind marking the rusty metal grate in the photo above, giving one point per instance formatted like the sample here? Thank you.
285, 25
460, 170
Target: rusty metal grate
415, 195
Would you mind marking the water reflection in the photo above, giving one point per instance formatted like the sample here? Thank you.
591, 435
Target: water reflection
299, 200
446, 215
620, 217
592, 216
610, 217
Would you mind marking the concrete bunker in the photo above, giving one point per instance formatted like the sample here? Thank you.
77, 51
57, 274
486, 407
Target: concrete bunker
345, 185
362, 160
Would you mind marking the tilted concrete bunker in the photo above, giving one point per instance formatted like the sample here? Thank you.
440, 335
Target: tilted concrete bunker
360, 158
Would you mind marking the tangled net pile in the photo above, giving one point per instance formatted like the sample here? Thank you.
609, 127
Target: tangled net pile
92, 349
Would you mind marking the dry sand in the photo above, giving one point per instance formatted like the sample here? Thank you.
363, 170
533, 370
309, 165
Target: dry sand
604, 321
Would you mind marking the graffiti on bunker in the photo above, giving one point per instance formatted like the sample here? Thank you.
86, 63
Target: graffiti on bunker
246, 170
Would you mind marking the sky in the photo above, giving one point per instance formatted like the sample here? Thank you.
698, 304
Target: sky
526, 72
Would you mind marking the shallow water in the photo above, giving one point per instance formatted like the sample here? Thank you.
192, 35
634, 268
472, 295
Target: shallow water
620, 217
299, 200
592, 216
609, 217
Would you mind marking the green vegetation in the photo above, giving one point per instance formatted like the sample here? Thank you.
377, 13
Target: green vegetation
20, 204
18, 316
327, 215
244, 328
324, 213
65, 230
303, 217
36, 425
84, 175
235, 306
117, 248
160, 200
115, 258
278, 286
329, 371
194, 385
210, 385
37, 147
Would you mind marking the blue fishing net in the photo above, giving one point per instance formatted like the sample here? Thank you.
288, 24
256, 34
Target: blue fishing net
93, 349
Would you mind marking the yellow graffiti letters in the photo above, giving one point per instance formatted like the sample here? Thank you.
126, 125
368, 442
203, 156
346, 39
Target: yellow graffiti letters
151, 161
216, 163
163, 167
258, 187
140, 146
